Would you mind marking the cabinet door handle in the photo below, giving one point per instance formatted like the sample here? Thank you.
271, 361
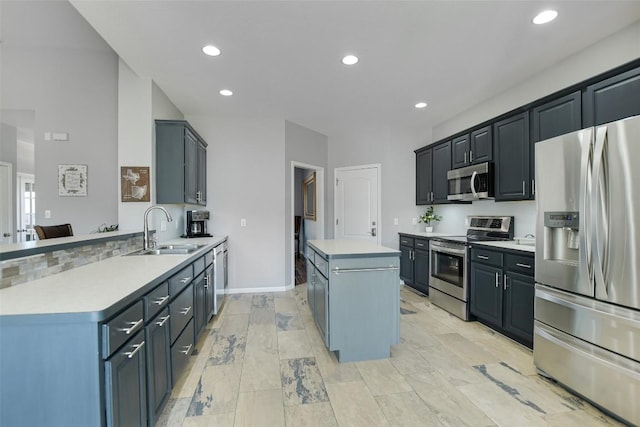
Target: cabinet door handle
497, 279
187, 349
465, 157
470, 156
523, 265
161, 300
164, 320
134, 326
505, 281
136, 348
185, 310
483, 257
185, 280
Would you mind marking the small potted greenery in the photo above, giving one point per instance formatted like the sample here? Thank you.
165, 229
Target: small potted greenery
430, 215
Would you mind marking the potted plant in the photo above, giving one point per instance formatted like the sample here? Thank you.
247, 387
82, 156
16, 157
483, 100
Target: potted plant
430, 215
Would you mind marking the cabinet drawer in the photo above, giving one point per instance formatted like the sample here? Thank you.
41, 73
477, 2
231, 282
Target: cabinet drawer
486, 257
181, 279
199, 266
180, 352
156, 300
122, 327
422, 244
181, 311
521, 263
208, 258
322, 265
406, 241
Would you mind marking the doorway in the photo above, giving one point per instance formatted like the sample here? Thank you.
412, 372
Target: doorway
26, 204
311, 214
357, 203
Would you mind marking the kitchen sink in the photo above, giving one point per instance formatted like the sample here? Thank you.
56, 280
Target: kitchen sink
169, 250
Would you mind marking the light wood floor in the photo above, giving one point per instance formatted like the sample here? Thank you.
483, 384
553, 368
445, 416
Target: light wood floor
262, 363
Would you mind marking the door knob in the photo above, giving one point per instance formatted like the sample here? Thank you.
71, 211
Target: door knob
373, 231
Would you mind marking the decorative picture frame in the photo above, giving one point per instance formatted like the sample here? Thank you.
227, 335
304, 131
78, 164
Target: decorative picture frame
135, 185
309, 197
72, 180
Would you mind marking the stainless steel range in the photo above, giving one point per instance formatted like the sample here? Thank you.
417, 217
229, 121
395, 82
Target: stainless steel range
449, 276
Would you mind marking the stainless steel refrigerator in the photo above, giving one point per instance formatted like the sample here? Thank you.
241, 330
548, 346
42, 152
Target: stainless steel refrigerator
587, 297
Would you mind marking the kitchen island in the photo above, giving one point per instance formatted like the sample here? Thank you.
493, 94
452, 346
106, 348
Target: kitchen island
353, 290
102, 344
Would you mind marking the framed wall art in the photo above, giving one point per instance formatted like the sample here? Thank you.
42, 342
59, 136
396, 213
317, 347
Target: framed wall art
134, 183
72, 180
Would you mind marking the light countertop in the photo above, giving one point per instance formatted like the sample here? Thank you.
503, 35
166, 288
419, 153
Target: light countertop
341, 248
508, 244
94, 288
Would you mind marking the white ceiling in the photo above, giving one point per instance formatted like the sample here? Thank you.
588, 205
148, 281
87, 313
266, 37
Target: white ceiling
282, 58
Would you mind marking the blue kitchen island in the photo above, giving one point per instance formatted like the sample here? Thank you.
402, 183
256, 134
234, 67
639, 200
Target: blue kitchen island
353, 290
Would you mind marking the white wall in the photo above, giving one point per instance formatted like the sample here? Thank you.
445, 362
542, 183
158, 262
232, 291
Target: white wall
246, 179
55, 64
393, 149
304, 146
613, 51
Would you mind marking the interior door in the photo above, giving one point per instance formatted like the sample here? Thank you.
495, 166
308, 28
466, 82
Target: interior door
6, 205
26, 208
357, 203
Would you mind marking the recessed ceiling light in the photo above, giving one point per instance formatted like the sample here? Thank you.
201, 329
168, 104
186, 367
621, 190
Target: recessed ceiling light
421, 105
211, 50
226, 92
350, 60
545, 16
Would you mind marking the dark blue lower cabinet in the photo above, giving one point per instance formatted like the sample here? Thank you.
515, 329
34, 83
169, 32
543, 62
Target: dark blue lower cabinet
126, 385
181, 350
158, 364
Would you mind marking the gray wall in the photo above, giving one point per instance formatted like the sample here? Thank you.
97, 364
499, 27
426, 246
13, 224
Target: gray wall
55, 64
246, 179
303, 145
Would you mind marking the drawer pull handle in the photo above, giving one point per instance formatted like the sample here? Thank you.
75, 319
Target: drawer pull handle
186, 310
523, 265
136, 348
164, 320
161, 300
187, 349
134, 326
185, 280
483, 257
421, 245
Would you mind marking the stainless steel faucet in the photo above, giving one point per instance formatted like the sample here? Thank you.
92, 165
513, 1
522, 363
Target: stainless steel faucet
146, 239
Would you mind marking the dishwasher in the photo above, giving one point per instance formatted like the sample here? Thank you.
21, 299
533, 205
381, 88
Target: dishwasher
220, 276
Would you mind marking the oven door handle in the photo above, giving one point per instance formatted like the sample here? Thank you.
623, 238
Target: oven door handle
450, 251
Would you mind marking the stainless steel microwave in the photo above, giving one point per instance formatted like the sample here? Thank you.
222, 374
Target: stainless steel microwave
473, 182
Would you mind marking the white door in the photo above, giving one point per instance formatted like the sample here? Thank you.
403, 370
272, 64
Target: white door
26, 207
357, 203
6, 205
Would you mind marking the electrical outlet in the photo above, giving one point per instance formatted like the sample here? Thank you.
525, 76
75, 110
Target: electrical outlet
163, 225
414, 221
466, 222
395, 221
243, 222
47, 214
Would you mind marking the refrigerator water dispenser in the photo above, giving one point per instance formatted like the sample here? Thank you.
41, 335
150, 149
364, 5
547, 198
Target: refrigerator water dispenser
561, 236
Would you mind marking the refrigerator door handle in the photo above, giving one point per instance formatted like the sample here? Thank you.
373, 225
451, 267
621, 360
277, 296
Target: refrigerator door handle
585, 212
600, 212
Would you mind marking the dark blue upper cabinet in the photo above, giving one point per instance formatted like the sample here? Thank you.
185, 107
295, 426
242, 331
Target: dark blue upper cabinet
481, 145
441, 165
460, 151
557, 117
424, 177
512, 152
612, 99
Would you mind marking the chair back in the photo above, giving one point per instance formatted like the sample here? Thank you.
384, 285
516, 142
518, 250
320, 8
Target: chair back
53, 231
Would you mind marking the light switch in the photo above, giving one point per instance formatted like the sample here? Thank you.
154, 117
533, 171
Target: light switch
414, 221
243, 222
47, 214
395, 221
60, 136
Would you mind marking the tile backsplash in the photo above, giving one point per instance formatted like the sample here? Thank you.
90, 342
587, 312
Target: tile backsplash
20, 270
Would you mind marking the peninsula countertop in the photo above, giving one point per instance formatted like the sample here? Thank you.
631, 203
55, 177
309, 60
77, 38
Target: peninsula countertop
350, 248
93, 290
